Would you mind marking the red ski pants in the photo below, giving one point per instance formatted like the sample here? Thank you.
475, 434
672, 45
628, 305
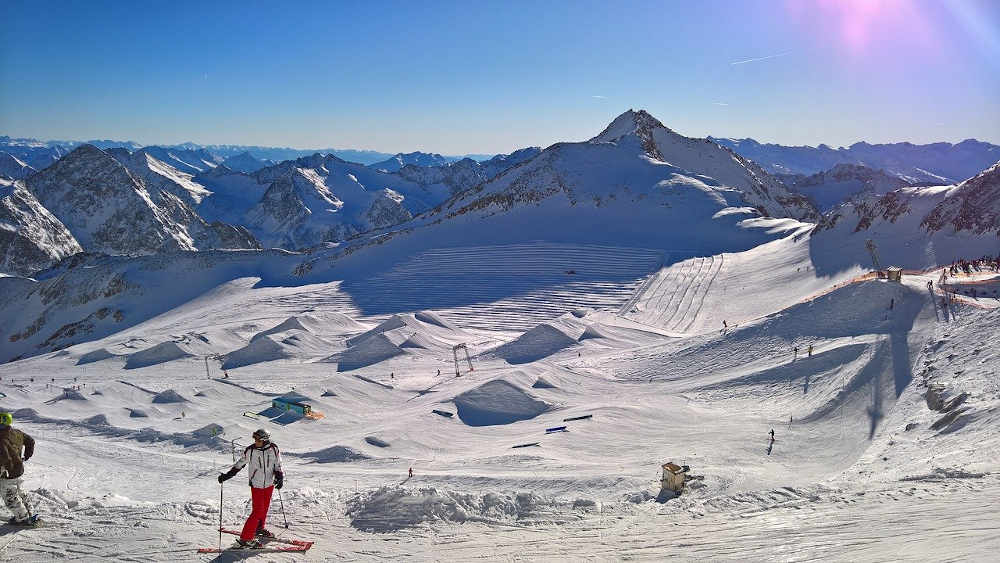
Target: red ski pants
261, 500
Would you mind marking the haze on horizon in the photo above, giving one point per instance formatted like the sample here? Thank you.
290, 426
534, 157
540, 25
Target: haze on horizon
458, 78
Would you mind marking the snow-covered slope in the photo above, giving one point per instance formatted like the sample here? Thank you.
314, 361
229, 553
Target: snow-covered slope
88, 296
973, 206
159, 176
31, 238
13, 168
885, 439
844, 181
189, 161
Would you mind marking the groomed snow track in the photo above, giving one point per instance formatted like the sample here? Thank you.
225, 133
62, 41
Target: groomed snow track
509, 287
673, 297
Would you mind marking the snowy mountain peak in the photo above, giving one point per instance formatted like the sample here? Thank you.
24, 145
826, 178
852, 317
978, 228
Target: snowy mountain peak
640, 123
245, 162
400, 160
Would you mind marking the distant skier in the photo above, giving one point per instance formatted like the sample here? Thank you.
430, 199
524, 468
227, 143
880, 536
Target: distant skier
12, 442
265, 476
724, 325
810, 350
795, 353
225, 375
439, 372
772, 433
411, 473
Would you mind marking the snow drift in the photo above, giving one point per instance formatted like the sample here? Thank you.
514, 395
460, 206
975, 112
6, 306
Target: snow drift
497, 402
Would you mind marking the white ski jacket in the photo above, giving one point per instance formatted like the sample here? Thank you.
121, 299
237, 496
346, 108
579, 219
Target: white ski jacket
264, 464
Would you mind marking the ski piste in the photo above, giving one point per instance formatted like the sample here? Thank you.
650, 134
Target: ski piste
39, 524
301, 543
276, 549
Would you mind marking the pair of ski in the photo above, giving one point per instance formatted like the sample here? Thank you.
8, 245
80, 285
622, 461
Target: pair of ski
290, 545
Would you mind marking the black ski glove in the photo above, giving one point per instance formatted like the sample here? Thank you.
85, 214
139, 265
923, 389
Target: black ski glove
279, 480
226, 476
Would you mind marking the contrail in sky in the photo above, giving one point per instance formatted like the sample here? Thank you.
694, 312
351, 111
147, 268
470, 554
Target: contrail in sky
761, 58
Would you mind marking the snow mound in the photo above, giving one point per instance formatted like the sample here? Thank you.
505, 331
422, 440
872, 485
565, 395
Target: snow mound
542, 383
209, 393
277, 346
262, 349
95, 356
342, 323
376, 441
424, 341
497, 402
580, 313
392, 323
392, 508
400, 327
169, 396
372, 350
68, 394
158, 354
539, 342
137, 413
592, 331
335, 454
328, 393
306, 323
434, 319
97, 420
212, 429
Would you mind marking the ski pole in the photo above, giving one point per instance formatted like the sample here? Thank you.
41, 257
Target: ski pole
283, 508
220, 515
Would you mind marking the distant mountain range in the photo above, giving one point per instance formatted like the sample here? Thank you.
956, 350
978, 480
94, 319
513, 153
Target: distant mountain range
932, 164
629, 182
39, 154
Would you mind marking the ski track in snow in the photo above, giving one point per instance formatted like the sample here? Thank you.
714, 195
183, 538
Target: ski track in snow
865, 470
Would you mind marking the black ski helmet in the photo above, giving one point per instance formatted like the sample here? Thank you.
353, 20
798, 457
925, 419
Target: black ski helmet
261, 434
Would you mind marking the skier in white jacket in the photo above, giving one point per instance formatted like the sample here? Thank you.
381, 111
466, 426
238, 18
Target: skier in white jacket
264, 461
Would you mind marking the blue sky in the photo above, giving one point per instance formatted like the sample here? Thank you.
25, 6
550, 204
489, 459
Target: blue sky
490, 76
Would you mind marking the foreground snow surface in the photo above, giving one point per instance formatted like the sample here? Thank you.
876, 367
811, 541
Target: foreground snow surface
862, 467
